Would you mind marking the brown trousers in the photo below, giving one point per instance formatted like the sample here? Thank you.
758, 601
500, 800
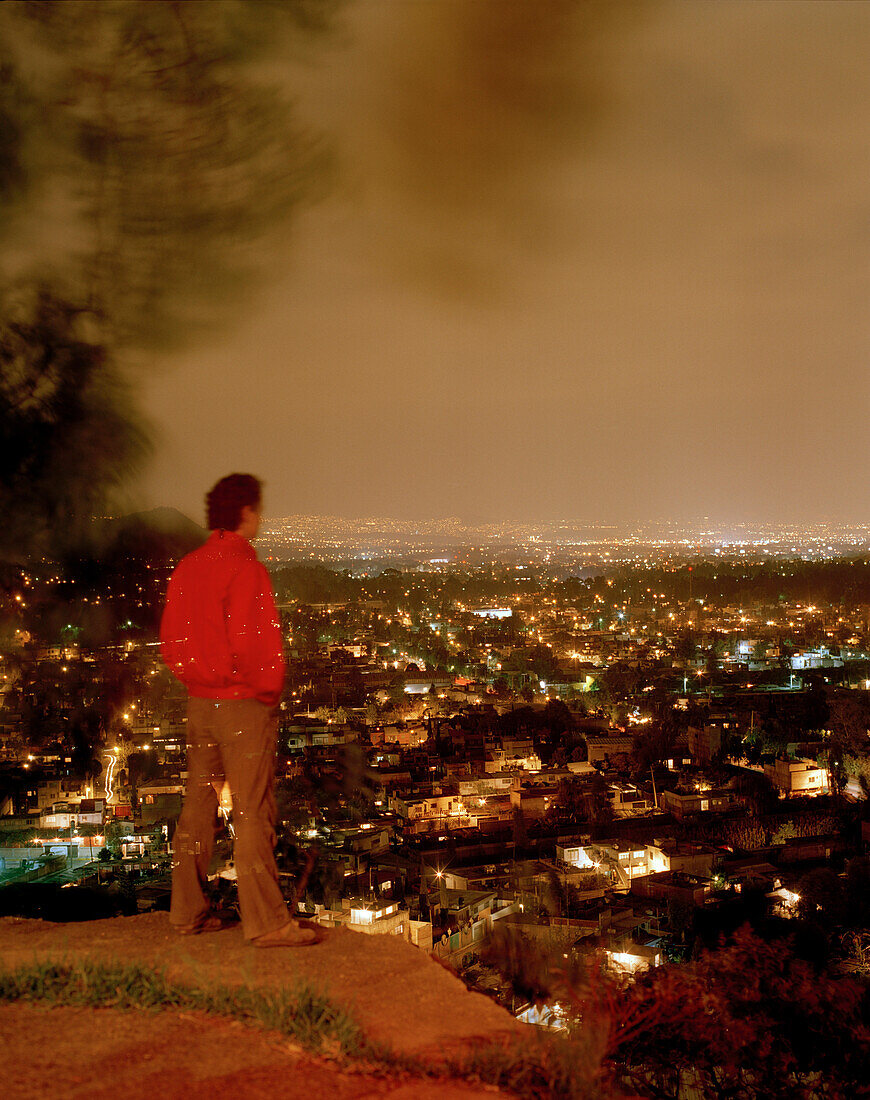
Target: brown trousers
232, 739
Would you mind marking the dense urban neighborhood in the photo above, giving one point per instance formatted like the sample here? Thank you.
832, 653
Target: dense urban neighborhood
634, 762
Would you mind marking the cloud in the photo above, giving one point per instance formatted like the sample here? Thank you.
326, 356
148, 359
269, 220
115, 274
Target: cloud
652, 302
454, 117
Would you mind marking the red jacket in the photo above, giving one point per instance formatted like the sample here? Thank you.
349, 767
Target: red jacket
220, 634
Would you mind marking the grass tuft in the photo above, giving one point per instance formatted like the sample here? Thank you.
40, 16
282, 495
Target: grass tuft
543, 1066
300, 1013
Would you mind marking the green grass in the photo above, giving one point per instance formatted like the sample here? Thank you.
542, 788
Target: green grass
298, 1012
541, 1066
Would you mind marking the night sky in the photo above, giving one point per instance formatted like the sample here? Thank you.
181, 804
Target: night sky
604, 263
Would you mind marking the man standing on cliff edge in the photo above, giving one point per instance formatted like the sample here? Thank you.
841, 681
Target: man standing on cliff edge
221, 638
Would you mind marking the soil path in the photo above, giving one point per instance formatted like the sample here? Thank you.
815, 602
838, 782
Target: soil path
103, 1054
398, 995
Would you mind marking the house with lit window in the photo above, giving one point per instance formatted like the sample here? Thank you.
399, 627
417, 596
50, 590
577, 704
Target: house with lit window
422, 812
160, 801
425, 683
687, 803
377, 918
533, 800
625, 859
60, 815
304, 732
575, 852
621, 935
633, 958
628, 800
799, 776
485, 786
622, 861
469, 916
47, 792
362, 842
688, 857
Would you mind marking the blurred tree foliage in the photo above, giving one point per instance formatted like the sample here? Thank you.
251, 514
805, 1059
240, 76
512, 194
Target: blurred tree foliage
68, 430
172, 150
146, 148
747, 1020
751, 1018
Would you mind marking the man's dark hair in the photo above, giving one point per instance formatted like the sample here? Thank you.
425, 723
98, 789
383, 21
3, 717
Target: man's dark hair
226, 500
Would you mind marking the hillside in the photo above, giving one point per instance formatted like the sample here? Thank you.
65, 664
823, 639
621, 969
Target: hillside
406, 1006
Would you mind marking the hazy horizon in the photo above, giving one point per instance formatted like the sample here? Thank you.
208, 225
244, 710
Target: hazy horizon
689, 522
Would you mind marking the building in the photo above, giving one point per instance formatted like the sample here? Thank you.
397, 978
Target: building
668, 854
444, 811
304, 732
469, 915
673, 885
486, 786
533, 799
424, 683
704, 742
167, 736
628, 800
799, 776
575, 853
160, 801
360, 843
687, 803
377, 918
624, 859
602, 748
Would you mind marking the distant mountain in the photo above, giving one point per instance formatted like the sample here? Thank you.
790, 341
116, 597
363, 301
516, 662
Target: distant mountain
168, 521
161, 534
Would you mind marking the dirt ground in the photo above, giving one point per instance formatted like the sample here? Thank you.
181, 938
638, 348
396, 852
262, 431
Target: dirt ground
104, 1054
397, 994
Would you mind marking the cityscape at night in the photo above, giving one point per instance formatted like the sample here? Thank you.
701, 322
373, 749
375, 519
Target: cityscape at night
516, 697
619, 757
557, 545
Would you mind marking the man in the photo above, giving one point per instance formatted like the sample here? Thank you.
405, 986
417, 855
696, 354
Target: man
221, 638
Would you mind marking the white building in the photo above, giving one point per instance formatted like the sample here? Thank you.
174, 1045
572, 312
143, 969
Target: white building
799, 776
